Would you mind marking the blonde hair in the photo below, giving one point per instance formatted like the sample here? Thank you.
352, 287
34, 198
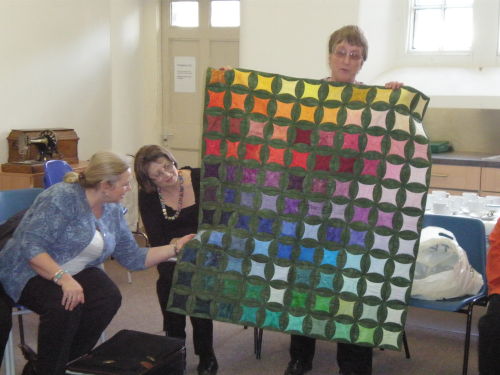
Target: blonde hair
352, 34
103, 166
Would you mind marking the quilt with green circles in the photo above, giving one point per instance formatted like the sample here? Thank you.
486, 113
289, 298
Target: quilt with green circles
311, 206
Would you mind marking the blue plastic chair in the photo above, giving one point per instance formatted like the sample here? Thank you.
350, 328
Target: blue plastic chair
470, 234
55, 171
12, 202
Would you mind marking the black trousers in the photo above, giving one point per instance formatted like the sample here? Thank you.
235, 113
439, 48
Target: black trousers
5, 320
489, 338
352, 359
65, 335
174, 324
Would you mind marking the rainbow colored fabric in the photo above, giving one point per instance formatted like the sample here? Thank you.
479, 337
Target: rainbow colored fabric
312, 200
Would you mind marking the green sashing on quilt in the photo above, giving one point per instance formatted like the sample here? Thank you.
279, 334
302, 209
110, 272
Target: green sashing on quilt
311, 207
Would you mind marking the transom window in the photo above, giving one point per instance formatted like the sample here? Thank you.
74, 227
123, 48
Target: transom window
223, 13
441, 26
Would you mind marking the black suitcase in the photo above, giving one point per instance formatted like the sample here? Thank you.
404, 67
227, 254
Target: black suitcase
133, 353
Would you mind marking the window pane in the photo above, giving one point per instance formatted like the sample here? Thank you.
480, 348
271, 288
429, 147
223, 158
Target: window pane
458, 29
459, 3
428, 25
428, 3
225, 13
184, 13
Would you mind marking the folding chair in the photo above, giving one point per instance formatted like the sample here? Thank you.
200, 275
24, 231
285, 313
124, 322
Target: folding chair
55, 171
12, 202
470, 234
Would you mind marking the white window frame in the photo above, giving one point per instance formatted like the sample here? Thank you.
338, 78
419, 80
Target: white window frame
411, 28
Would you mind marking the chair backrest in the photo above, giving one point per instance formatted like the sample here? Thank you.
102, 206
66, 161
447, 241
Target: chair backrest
470, 235
55, 171
13, 201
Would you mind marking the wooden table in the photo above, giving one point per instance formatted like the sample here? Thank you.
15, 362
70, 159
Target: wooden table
15, 180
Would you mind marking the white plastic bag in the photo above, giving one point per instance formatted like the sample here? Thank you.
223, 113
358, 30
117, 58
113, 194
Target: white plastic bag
442, 269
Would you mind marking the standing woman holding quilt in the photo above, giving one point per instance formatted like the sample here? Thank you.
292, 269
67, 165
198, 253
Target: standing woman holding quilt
347, 52
169, 205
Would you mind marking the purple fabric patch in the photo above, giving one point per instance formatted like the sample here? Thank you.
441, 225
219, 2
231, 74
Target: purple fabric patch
315, 208
357, 237
269, 202
385, 219
208, 216
216, 238
229, 196
361, 214
291, 206
247, 199
231, 173
249, 176
272, 179
212, 170
210, 193
341, 188
338, 211
225, 216
295, 182
319, 185
334, 234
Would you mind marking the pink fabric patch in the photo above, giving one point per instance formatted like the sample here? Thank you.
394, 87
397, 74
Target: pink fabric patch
370, 167
214, 123
378, 119
235, 125
279, 132
256, 129
361, 214
418, 174
319, 185
385, 219
420, 151
342, 188
353, 117
351, 141
326, 138
365, 191
374, 143
393, 171
397, 148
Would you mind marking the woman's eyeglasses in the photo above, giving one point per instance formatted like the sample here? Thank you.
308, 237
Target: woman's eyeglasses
166, 168
342, 53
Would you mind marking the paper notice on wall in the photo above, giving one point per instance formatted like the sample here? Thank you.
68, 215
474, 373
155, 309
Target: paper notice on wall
185, 73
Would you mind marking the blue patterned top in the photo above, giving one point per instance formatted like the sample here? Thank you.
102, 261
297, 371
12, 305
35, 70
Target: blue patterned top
61, 223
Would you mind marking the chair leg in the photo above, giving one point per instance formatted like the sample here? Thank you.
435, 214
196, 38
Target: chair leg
258, 341
467, 339
9, 359
405, 345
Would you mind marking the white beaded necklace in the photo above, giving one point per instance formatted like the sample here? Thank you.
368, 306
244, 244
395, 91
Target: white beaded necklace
179, 203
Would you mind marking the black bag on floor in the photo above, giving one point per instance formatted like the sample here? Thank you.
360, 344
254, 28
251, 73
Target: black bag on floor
133, 353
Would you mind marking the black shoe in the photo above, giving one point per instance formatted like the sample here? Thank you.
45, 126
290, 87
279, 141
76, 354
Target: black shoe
208, 366
297, 367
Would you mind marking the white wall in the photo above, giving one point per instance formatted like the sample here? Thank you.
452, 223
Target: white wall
90, 65
290, 37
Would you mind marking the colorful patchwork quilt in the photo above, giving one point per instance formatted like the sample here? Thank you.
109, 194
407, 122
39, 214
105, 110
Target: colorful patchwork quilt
312, 200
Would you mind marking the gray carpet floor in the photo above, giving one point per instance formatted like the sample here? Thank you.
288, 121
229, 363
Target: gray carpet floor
435, 338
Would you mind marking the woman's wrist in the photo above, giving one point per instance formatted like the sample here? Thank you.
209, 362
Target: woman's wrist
176, 247
58, 275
